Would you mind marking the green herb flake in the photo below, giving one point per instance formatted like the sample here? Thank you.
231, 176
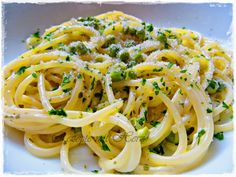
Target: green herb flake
143, 82
129, 43
219, 136
183, 71
156, 88
209, 49
209, 110
170, 64
141, 120
55, 88
58, 112
79, 76
158, 150
180, 92
72, 50
154, 123
108, 41
94, 171
48, 36
66, 80
68, 58
157, 70
35, 75
93, 83
67, 90
103, 143
163, 39
149, 27
200, 134
225, 105
21, 70
82, 49
36, 34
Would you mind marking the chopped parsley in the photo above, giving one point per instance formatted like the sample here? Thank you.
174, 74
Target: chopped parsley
131, 64
141, 120
109, 40
225, 105
219, 136
54, 88
180, 92
149, 27
103, 143
36, 34
66, 79
72, 50
143, 82
209, 110
82, 49
183, 71
68, 58
92, 84
48, 36
90, 21
21, 70
170, 64
35, 75
156, 88
157, 70
163, 39
129, 43
200, 134
94, 171
49, 48
67, 90
154, 123
214, 86
58, 112
79, 76
158, 150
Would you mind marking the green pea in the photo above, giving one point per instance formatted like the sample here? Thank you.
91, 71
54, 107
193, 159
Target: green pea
113, 50
143, 133
124, 56
117, 76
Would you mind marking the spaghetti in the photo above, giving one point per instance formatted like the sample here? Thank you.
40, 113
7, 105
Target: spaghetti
143, 99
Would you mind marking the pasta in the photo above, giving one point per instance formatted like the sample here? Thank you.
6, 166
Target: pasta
145, 100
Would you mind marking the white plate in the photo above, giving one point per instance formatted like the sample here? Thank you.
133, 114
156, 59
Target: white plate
21, 20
